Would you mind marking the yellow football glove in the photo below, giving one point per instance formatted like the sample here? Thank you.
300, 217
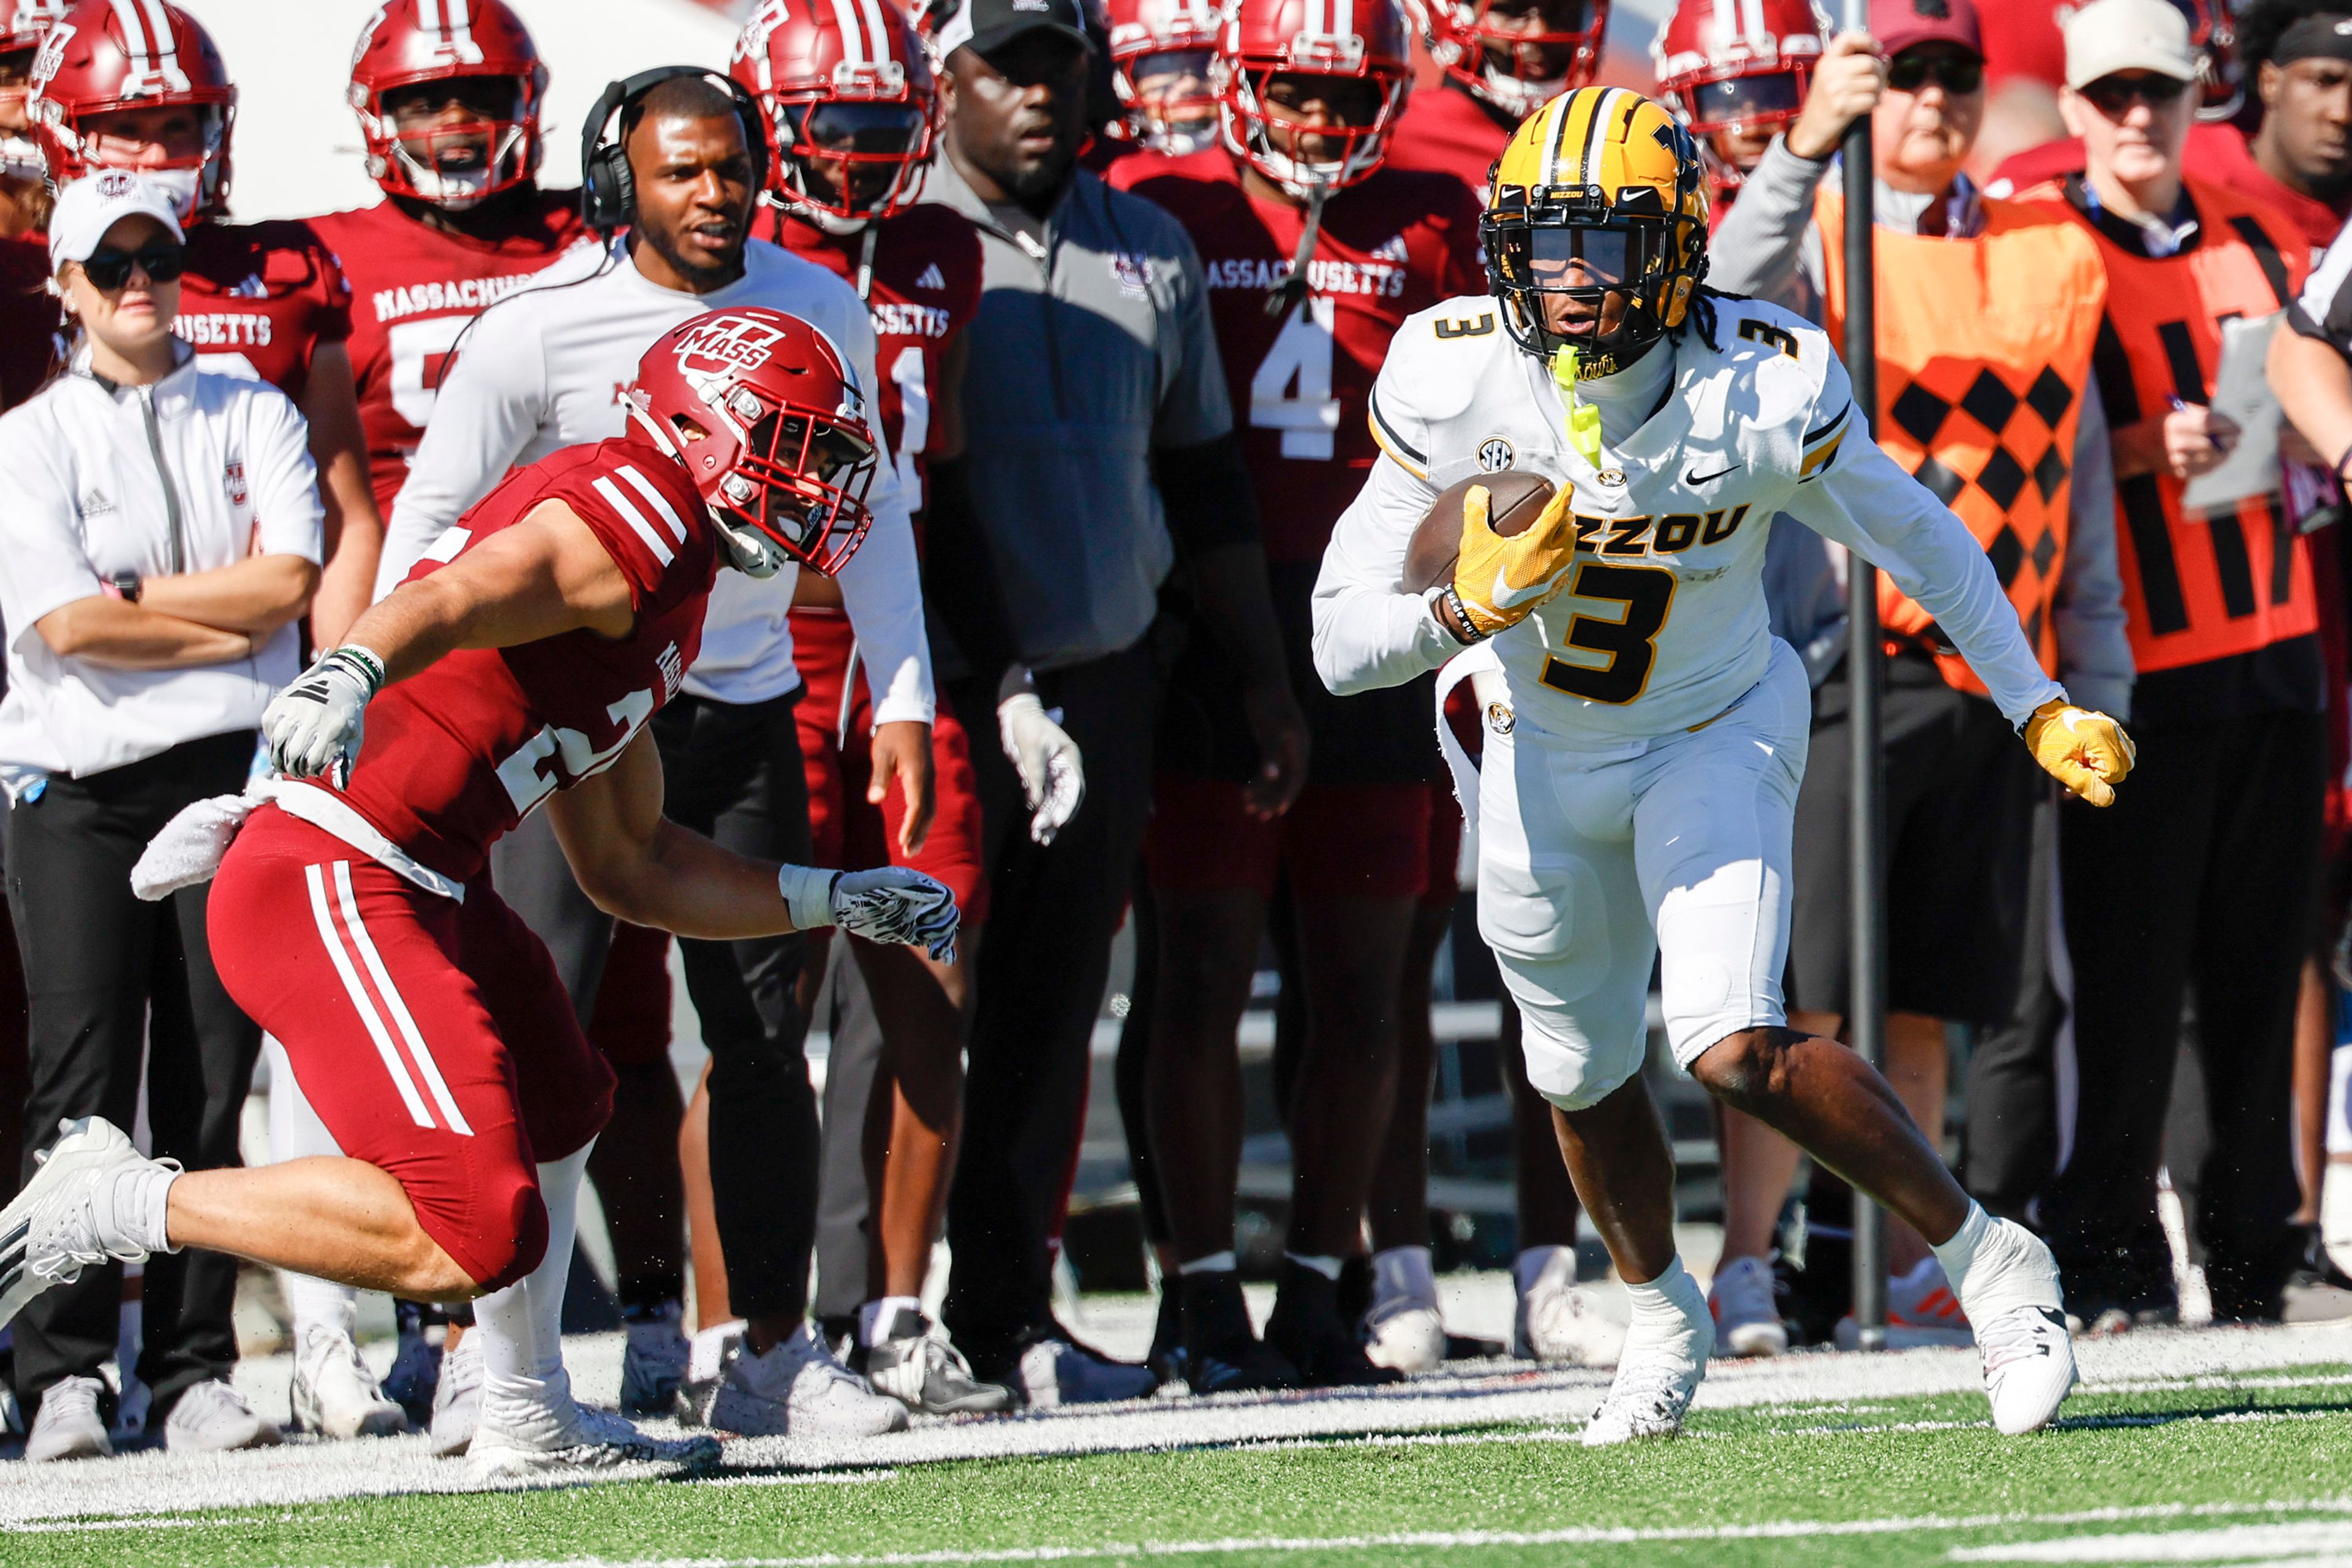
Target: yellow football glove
1499, 581
2084, 750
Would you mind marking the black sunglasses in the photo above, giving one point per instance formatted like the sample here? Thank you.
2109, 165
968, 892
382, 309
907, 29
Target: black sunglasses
111, 270
1953, 73
2113, 96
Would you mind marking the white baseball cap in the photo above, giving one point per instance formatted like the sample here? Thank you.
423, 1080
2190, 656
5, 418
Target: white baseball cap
96, 203
2110, 35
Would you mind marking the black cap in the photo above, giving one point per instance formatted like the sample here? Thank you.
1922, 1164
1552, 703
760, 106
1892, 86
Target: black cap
989, 25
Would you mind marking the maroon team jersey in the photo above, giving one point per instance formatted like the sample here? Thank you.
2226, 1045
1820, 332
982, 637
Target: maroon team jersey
263, 298
926, 289
456, 756
1302, 385
1448, 129
413, 290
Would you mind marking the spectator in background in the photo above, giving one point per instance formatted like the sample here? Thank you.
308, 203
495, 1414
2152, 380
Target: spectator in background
1988, 313
2204, 877
161, 521
1103, 453
2300, 158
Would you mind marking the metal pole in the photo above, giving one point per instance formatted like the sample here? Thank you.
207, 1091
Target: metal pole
1866, 682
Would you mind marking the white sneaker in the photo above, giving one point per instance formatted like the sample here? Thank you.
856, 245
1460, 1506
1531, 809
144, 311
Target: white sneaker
334, 1393
64, 1220
1404, 1331
1655, 1380
211, 1417
68, 1426
799, 1390
654, 1364
1554, 1322
706, 1368
2335, 1214
544, 1428
2013, 1296
1746, 1312
1921, 1311
457, 1398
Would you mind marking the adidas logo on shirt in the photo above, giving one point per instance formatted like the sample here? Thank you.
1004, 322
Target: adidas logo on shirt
1393, 250
931, 277
95, 504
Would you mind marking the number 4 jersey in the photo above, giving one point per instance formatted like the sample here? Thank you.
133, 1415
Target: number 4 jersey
1300, 379
457, 755
1662, 625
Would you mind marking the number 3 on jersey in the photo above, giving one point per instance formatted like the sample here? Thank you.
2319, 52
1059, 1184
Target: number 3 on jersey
1301, 356
1629, 640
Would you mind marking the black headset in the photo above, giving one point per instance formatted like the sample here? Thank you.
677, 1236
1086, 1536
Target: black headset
608, 190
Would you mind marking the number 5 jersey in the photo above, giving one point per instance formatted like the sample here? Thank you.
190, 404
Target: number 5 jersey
1662, 625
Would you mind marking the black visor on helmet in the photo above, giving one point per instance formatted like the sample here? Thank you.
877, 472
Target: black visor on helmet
1769, 98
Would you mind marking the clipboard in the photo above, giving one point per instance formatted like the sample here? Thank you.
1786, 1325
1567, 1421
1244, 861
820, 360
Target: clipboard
2242, 392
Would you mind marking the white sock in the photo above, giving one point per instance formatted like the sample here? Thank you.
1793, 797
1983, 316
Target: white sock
705, 1354
1215, 1263
1960, 1251
1326, 1265
318, 1303
141, 1206
522, 1325
1403, 1272
877, 1315
1529, 1268
1666, 1306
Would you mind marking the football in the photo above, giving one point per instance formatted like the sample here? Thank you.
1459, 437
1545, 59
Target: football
1514, 500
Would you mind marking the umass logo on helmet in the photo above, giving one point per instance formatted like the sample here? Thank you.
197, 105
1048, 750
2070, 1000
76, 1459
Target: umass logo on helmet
731, 343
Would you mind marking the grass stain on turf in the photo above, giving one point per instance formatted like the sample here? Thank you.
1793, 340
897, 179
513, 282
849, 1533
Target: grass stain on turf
1895, 1474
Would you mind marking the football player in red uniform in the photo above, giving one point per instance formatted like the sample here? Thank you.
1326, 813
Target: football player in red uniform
352, 918
1314, 255
1503, 61
23, 197
849, 98
138, 84
1736, 71
1160, 53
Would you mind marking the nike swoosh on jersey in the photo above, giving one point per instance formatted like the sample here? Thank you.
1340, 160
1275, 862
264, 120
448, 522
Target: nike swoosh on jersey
1695, 480
1506, 597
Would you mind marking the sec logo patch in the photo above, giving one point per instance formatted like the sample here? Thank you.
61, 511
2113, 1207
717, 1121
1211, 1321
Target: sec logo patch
1494, 455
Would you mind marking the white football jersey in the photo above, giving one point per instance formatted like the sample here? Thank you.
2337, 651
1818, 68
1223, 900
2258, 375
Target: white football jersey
1663, 625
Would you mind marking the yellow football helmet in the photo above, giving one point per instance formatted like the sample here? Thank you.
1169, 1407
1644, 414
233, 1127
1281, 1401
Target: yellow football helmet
1610, 181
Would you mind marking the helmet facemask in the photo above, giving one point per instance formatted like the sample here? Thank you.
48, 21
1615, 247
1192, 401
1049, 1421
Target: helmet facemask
1564, 257
1170, 106
195, 171
1276, 144
852, 159
1512, 53
502, 149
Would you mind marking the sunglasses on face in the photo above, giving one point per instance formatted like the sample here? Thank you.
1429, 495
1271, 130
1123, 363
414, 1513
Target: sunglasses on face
2113, 96
111, 270
1953, 73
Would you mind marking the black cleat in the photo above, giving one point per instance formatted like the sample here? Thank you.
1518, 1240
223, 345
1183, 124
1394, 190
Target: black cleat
1306, 1327
1221, 1355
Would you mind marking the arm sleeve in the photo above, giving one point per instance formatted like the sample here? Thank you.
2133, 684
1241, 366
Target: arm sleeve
1368, 631
47, 567
488, 408
881, 585
1204, 492
1193, 408
288, 518
1760, 244
2094, 653
1854, 493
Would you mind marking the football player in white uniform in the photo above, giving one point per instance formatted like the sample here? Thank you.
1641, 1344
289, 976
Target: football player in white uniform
1645, 731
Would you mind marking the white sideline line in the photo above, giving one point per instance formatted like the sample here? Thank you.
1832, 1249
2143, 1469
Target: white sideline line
803, 1479
74, 1526
1449, 1540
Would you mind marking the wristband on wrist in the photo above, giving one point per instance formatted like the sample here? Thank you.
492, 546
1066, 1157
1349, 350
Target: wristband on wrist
1461, 628
808, 895
126, 587
364, 660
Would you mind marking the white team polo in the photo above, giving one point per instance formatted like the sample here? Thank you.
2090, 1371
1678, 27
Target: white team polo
198, 471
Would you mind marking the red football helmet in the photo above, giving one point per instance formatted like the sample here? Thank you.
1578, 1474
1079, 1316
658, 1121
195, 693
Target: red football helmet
768, 420
1542, 55
1152, 40
104, 57
408, 42
1737, 66
2221, 75
847, 90
25, 23
22, 25
1362, 40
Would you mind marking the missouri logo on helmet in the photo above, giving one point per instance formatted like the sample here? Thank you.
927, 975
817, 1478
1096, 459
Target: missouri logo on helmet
413, 44
850, 100
106, 56
1599, 198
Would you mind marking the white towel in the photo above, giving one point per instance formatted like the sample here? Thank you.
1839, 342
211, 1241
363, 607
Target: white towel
189, 849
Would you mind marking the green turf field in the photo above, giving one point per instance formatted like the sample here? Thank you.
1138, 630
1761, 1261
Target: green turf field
2248, 1468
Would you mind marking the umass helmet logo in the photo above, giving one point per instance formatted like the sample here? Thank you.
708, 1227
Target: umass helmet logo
731, 343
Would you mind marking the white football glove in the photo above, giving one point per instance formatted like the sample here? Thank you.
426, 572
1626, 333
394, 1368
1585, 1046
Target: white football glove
890, 905
314, 727
1053, 778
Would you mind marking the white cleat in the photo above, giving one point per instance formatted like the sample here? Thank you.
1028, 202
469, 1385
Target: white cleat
211, 1417
2013, 1296
654, 1364
64, 1220
1404, 1331
541, 1428
1554, 1321
1656, 1377
69, 1426
1746, 1310
457, 1398
334, 1393
799, 1390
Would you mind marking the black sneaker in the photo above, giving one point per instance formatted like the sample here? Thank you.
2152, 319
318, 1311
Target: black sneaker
1306, 1329
1221, 1355
926, 1374
1046, 1367
1166, 1357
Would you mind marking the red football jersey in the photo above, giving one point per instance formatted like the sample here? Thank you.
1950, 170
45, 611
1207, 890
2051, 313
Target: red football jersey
413, 290
926, 289
1302, 383
456, 756
263, 296
1448, 129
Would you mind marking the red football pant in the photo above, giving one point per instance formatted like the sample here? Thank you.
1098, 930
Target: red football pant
432, 1037
1336, 841
843, 830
